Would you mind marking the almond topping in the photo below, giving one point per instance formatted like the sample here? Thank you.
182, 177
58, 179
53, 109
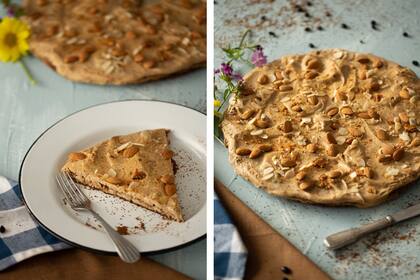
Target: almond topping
114, 180
262, 123
311, 148
373, 114
287, 162
331, 138
265, 147
331, 150
387, 150
364, 115
130, 151
347, 111
355, 132
381, 134
332, 112
398, 154
300, 175
139, 175
76, 156
404, 94
167, 179
247, 114
287, 127
167, 154
305, 185
403, 117
263, 79
71, 59
170, 189
297, 108
285, 88
241, 151
256, 152
334, 174
313, 100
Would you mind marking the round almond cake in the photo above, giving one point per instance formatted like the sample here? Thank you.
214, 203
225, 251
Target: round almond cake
331, 127
118, 42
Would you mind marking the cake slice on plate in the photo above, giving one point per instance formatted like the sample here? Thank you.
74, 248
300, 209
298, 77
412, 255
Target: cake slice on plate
136, 167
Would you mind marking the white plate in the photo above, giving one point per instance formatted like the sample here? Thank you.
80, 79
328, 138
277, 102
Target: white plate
149, 231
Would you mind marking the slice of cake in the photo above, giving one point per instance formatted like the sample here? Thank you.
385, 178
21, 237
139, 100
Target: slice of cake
137, 167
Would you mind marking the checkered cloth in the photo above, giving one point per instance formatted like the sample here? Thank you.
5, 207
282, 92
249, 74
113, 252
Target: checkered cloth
229, 251
23, 237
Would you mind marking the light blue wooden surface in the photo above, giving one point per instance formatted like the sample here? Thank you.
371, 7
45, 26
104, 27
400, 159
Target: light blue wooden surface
26, 111
395, 253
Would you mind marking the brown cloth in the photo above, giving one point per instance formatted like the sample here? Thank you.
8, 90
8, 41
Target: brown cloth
268, 251
79, 264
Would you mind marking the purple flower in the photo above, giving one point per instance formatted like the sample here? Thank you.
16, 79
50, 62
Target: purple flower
226, 69
10, 12
236, 76
258, 58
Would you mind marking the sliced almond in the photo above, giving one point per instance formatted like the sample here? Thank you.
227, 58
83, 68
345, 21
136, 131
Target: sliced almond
265, 147
170, 189
241, 151
311, 75
384, 158
285, 88
76, 156
387, 150
130, 151
278, 75
300, 175
354, 131
255, 153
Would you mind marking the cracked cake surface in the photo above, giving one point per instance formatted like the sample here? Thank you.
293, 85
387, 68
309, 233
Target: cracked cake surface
331, 127
136, 167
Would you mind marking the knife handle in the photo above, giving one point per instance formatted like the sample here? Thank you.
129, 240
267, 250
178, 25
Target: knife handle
346, 237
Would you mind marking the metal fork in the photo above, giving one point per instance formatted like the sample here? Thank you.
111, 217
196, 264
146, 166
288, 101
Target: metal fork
79, 202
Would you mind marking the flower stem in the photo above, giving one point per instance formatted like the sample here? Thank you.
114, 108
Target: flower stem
28, 74
243, 37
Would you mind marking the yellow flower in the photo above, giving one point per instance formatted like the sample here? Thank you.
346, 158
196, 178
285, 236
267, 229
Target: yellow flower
13, 39
217, 103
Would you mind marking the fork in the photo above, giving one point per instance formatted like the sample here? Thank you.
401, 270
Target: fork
79, 202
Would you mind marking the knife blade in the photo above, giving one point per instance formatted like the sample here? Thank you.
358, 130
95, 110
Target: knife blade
406, 213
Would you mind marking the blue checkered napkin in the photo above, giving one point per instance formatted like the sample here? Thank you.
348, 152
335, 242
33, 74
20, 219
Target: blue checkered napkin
229, 251
23, 237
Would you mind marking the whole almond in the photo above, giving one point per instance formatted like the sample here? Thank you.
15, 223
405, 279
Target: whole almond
387, 150
354, 131
363, 60
311, 148
415, 142
278, 75
287, 127
373, 114
384, 158
265, 147
305, 185
362, 74
71, 58
170, 189
331, 138
149, 64
334, 174
374, 86
332, 112
114, 180
404, 94
167, 179
130, 151
381, 134
139, 175
285, 88
297, 108
247, 114
255, 153
138, 58
364, 115
310, 75
167, 154
241, 151
367, 172
262, 123
314, 64
347, 111
287, 162
403, 117
398, 154
262, 79
313, 100
331, 150
378, 63
76, 156
300, 175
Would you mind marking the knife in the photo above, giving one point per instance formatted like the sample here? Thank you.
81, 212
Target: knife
346, 237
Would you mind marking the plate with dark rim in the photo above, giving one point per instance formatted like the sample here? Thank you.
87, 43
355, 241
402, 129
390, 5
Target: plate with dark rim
148, 231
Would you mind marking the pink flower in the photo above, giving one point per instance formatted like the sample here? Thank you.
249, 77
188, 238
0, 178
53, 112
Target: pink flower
258, 58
